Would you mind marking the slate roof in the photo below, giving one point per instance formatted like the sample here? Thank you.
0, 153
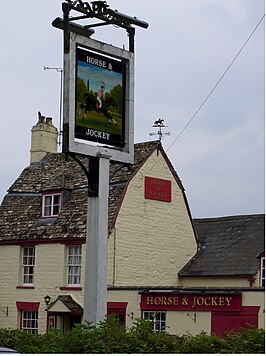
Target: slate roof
227, 246
20, 212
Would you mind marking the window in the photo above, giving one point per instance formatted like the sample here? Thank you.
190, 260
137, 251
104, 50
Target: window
28, 312
262, 272
29, 322
158, 319
74, 265
119, 310
51, 204
28, 265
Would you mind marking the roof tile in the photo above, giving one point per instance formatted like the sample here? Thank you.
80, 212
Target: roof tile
227, 246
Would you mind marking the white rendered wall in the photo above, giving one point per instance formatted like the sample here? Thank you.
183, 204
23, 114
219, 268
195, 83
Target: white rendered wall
50, 276
152, 240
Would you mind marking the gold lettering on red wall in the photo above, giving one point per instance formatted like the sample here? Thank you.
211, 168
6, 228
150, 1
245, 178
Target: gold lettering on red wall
191, 302
157, 189
162, 300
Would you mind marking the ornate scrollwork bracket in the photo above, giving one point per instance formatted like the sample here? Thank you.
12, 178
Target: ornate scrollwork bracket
100, 10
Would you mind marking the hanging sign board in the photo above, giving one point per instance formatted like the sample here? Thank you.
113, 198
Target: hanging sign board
99, 99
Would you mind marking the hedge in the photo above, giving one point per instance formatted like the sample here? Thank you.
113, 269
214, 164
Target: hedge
108, 337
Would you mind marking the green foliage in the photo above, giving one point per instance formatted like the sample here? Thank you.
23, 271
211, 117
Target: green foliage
248, 341
116, 94
81, 90
142, 339
202, 344
20, 340
109, 337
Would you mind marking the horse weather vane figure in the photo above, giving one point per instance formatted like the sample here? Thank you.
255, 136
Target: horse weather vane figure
159, 123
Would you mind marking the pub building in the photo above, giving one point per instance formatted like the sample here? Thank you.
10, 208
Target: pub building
186, 275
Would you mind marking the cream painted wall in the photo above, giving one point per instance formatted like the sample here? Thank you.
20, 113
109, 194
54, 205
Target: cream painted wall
181, 324
214, 282
50, 275
257, 280
51, 259
152, 240
9, 262
250, 298
59, 307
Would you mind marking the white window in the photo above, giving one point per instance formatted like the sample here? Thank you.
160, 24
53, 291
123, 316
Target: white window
29, 322
74, 265
157, 317
262, 272
28, 265
51, 204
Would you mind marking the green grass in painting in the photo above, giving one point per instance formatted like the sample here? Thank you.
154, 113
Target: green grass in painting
97, 121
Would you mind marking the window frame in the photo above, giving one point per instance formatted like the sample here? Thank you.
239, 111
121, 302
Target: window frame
71, 276
156, 322
28, 265
28, 307
262, 271
52, 206
119, 309
33, 320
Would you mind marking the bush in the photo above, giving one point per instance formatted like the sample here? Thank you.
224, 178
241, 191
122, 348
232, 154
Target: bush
247, 341
108, 337
142, 339
202, 344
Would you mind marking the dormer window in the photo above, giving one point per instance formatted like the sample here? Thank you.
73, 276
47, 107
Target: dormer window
51, 204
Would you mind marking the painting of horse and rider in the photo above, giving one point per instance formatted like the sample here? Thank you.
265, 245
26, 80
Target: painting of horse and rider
99, 99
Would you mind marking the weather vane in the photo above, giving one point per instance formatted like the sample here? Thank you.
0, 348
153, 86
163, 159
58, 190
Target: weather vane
159, 123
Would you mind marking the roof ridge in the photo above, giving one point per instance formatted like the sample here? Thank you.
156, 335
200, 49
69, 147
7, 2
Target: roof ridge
230, 217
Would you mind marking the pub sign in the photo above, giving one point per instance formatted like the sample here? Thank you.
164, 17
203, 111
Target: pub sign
100, 98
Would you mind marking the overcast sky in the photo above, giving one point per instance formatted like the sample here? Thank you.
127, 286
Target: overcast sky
179, 59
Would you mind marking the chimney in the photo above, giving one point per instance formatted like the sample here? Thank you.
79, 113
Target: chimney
43, 138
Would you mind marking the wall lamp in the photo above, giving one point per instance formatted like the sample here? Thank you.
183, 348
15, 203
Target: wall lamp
47, 299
